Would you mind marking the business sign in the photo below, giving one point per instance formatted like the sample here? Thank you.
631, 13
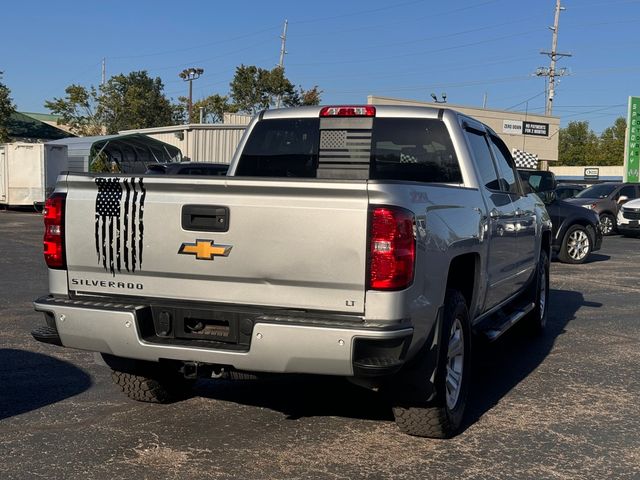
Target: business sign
535, 128
632, 145
591, 173
513, 127
518, 127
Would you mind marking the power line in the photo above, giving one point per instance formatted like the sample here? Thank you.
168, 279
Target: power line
424, 52
527, 100
361, 12
195, 47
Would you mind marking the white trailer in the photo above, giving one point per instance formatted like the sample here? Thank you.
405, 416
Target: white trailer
28, 172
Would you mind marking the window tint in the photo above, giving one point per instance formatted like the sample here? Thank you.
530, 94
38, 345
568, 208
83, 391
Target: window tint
483, 160
504, 162
413, 149
597, 191
628, 191
281, 148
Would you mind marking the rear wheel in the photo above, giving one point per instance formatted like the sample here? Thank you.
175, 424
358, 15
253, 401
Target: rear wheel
537, 318
439, 414
608, 224
148, 381
576, 245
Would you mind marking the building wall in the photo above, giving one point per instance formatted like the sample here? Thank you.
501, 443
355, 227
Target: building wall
578, 173
236, 118
546, 147
199, 142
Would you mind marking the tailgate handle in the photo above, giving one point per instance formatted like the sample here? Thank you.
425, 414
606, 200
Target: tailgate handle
205, 218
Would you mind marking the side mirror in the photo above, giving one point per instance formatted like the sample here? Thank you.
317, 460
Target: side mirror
622, 199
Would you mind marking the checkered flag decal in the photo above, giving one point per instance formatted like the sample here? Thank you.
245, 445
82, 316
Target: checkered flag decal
524, 159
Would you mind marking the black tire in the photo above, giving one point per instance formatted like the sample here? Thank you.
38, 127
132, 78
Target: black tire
608, 224
576, 245
420, 411
148, 381
536, 320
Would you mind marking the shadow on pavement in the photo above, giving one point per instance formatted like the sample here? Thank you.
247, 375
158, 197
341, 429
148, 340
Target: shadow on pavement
499, 367
597, 257
502, 365
299, 396
30, 380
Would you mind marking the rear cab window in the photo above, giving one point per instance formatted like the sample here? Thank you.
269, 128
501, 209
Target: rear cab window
410, 149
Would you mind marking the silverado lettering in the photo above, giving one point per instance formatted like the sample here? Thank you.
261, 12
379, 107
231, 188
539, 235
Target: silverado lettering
106, 284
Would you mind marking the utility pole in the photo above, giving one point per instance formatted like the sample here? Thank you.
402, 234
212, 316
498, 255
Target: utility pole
104, 71
552, 72
189, 75
283, 52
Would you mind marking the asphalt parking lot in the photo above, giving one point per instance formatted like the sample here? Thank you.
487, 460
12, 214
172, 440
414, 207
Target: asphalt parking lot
561, 406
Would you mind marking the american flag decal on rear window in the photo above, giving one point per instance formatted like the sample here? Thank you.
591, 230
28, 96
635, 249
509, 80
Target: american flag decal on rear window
119, 223
353, 146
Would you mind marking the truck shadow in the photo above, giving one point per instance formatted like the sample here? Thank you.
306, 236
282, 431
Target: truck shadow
30, 380
300, 396
499, 367
504, 364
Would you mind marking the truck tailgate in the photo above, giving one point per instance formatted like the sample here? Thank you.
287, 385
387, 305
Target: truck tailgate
292, 244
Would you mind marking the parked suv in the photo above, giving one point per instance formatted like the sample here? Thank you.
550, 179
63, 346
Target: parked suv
576, 232
629, 218
605, 199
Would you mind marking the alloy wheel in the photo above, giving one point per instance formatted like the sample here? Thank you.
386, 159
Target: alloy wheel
455, 364
578, 245
607, 225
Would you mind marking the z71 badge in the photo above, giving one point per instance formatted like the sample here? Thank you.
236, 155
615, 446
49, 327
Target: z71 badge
205, 249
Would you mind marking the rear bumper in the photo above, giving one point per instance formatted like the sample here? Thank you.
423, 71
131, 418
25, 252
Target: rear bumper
113, 328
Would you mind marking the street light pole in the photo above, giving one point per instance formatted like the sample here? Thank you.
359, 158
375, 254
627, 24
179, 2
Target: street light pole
189, 75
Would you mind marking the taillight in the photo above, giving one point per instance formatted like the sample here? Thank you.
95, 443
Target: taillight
54, 231
349, 111
392, 248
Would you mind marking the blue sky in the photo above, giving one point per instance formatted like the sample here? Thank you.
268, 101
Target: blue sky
398, 48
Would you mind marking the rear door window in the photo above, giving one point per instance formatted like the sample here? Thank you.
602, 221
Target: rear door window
506, 169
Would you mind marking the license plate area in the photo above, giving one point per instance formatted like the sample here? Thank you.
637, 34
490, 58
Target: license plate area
215, 328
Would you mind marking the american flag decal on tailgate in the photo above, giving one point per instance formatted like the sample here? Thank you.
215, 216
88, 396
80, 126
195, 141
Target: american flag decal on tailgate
119, 223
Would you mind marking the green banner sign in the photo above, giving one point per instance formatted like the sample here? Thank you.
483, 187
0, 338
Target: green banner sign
632, 147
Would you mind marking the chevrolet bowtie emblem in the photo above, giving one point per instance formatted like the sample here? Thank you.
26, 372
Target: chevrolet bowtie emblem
205, 249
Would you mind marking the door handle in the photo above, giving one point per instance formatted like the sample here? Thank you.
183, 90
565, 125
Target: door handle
205, 218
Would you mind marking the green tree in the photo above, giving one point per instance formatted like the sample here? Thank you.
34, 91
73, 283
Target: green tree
124, 102
134, 101
311, 96
214, 107
79, 109
578, 145
611, 148
6, 109
254, 89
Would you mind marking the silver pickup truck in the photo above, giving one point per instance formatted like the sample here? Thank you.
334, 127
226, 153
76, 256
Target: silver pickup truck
371, 242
